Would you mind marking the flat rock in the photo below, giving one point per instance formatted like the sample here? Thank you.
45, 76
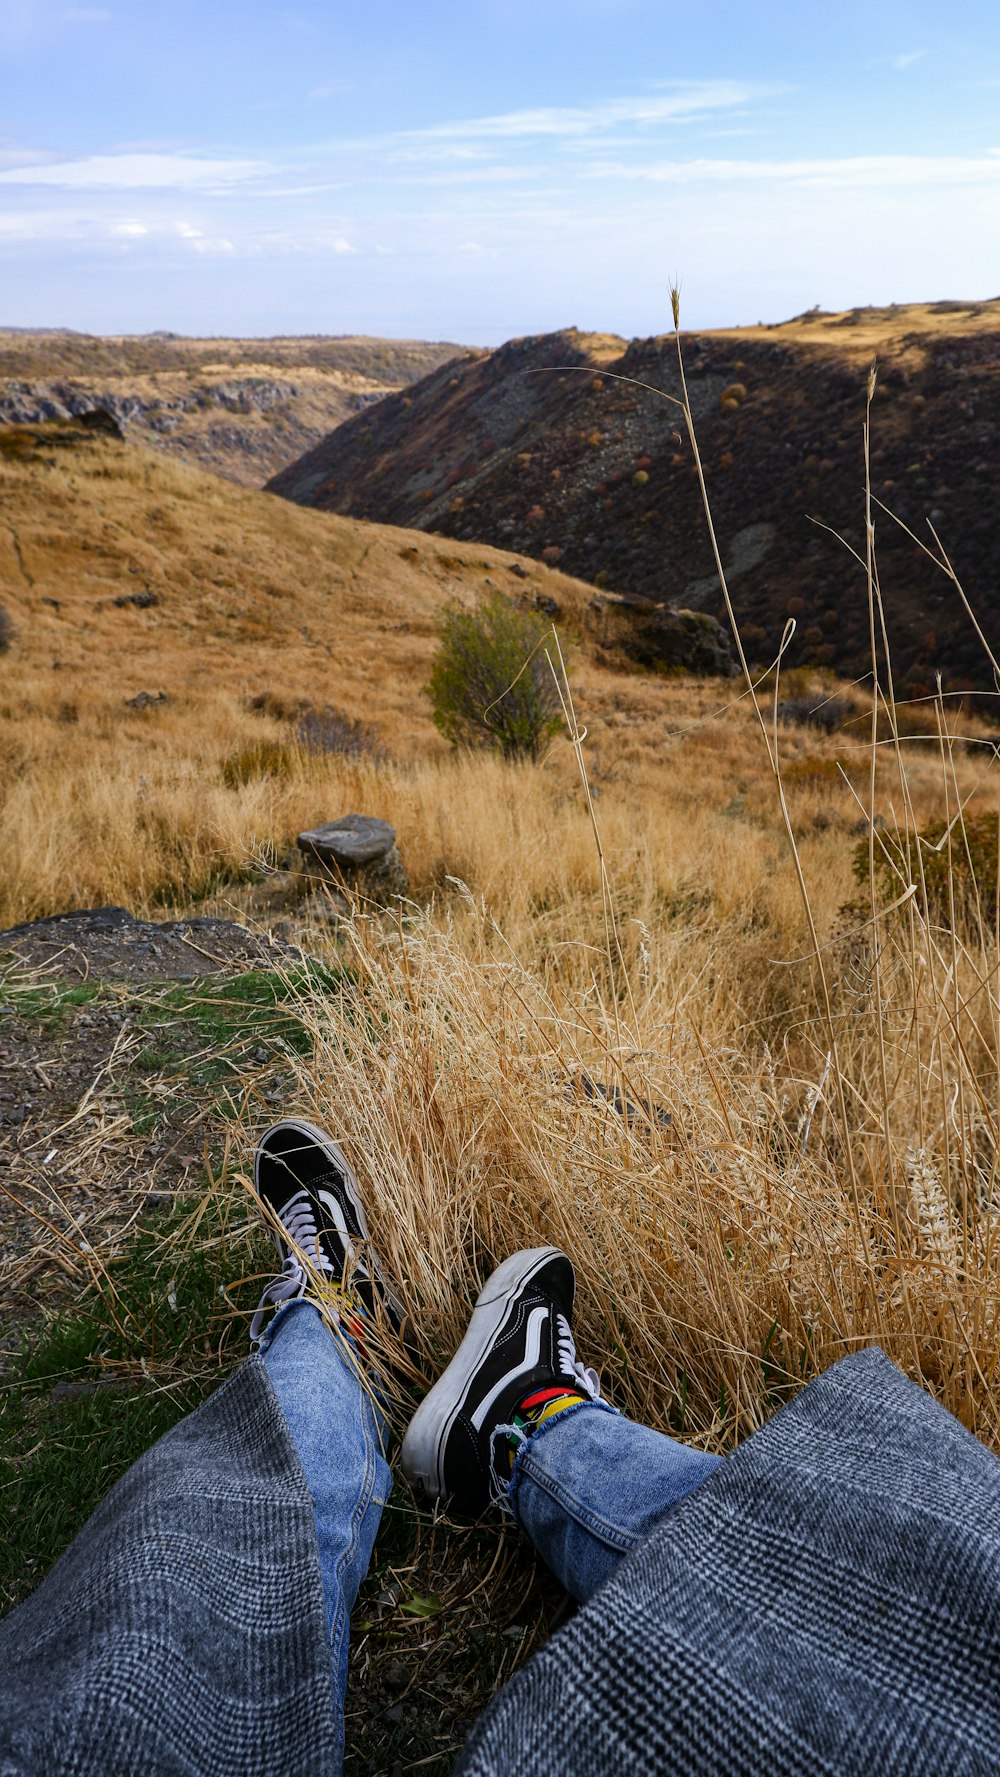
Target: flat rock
109, 944
352, 842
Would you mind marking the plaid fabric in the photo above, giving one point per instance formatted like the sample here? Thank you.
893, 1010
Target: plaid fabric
827, 1602
183, 1631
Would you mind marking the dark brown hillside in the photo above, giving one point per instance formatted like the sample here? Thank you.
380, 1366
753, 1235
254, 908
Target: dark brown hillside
590, 473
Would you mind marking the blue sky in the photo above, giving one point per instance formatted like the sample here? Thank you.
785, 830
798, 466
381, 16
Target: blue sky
476, 170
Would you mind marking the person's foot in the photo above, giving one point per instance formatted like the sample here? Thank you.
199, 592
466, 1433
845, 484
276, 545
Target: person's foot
319, 1226
516, 1364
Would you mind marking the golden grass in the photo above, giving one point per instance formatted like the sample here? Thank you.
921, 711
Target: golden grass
828, 1177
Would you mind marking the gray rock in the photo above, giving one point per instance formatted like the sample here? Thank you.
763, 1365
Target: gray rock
354, 840
658, 636
359, 853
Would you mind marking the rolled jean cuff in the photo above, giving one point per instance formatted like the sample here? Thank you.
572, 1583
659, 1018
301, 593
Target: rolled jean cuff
531, 1440
588, 1492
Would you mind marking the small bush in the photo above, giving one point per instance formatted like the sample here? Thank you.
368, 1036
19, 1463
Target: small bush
6, 630
268, 758
826, 713
331, 731
959, 869
472, 686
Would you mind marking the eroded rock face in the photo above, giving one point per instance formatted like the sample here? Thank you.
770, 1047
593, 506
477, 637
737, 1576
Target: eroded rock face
657, 636
359, 851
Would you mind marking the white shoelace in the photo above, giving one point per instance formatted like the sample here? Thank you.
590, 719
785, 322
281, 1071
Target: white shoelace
299, 1223
569, 1364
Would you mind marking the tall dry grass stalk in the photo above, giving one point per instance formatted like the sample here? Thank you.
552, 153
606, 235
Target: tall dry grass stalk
828, 1177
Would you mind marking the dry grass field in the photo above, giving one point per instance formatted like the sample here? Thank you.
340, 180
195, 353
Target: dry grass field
658, 908
707, 995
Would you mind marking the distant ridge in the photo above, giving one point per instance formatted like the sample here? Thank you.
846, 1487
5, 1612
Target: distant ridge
238, 407
578, 469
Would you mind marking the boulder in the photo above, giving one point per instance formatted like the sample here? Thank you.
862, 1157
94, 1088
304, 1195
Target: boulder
658, 636
98, 419
360, 853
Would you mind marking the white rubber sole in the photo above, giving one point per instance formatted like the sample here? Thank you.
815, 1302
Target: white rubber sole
422, 1453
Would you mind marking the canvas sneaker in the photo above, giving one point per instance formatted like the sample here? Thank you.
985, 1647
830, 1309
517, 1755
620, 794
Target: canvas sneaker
319, 1225
519, 1345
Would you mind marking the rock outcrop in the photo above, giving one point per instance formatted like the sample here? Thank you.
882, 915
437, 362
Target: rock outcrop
660, 637
357, 856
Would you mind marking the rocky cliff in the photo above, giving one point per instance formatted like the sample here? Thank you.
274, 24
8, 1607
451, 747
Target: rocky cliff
539, 447
241, 408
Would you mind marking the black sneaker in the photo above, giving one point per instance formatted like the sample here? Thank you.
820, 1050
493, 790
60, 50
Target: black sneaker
519, 1341
322, 1235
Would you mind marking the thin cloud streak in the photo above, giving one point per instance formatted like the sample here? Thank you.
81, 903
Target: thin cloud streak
680, 106
859, 170
138, 172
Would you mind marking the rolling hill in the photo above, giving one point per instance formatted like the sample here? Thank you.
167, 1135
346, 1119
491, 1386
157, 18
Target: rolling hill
536, 447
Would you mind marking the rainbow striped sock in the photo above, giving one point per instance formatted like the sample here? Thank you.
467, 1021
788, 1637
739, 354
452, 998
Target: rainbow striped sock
535, 1410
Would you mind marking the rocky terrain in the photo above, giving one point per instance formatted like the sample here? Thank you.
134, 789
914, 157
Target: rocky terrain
538, 447
239, 407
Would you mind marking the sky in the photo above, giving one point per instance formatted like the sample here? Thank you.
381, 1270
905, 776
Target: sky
473, 170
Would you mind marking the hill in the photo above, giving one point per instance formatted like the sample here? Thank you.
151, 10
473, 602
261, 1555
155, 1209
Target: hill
594, 474
240, 407
167, 633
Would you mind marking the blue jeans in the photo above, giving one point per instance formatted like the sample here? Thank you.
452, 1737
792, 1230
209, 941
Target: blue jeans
587, 1486
341, 1438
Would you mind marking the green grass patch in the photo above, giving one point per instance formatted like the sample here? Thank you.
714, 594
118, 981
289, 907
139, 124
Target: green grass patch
98, 1383
45, 1003
204, 1037
256, 1007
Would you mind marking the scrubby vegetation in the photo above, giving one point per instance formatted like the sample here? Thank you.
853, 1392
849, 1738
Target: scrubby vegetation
656, 908
491, 684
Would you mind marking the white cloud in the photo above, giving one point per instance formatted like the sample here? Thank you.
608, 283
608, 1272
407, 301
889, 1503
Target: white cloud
136, 172
329, 89
846, 173
342, 246
907, 60
682, 104
129, 230
188, 232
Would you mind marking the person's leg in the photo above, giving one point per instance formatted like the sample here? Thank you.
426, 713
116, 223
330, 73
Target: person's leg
589, 1485
516, 1419
339, 1431
341, 1437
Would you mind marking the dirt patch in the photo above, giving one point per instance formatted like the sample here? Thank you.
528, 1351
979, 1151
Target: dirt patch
125, 1048
109, 944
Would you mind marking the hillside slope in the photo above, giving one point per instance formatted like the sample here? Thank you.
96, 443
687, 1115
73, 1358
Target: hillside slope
591, 472
240, 407
190, 670
122, 571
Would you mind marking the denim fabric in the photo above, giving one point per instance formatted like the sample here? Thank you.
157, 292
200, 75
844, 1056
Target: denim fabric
588, 1486
341, 1437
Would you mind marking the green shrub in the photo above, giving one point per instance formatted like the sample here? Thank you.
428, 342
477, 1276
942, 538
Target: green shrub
960, 871
472, 684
